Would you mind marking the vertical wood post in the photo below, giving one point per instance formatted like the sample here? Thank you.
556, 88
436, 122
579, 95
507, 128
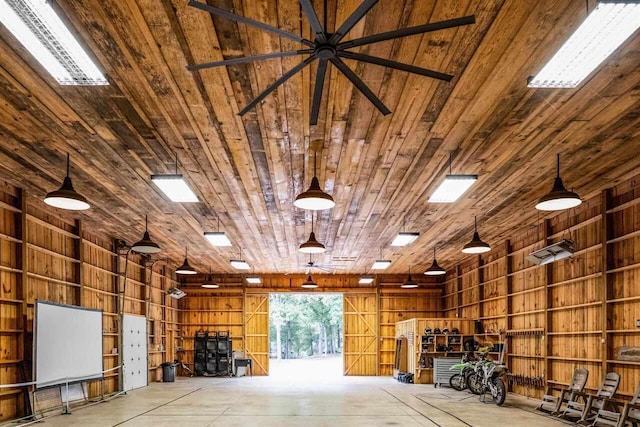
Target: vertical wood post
480, 288
607, 280
548, 303
459, 291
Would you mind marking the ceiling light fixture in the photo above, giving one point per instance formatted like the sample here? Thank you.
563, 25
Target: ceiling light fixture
435, 269
559, 198
41, 31
409, 283
254, 280
146, 245
217, 238
175, 187
314, 199
309, 283
240, 264
604, 30
404, 238
66, 197
209, 283
366, 280
312, 246
453, 187
185, 268
381, 264
476, 245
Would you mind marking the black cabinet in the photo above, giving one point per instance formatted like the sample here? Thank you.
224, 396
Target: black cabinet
212, 353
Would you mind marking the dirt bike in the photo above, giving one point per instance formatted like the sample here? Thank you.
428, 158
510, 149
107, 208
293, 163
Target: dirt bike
487, 378
465, 367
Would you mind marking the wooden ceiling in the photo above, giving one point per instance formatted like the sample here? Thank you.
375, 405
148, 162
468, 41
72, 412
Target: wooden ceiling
380, 170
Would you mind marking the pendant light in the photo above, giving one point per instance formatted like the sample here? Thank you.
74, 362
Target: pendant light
66, 197
312, 246
209, 283
314, 199
185, 268
476, 245
409, 283
146, 245
559, 198
309, 283
240, 264
435, 269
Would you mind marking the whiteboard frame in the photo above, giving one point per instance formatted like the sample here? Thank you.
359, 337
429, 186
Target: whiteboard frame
57, 383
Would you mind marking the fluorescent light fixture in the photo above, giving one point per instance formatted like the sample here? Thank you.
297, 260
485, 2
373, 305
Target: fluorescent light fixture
174, 187
254, 280
39, 29
404, 239
604, 30
239, 264
452, 188
381, 264
366, 280
217, 238
210, 286
552, 253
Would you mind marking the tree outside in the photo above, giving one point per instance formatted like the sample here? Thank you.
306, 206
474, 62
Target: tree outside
304, 325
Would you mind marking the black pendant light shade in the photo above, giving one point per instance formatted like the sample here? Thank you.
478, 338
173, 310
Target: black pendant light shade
209, 283
309, 283
312, 246
146, 245
67, 197
314, 199
185, 268
435, 269
559, 198
476, 245
409, 283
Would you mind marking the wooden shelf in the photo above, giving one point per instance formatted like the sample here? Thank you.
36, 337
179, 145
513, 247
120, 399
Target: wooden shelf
524, 356
574, 333
11, 301
624, 362
574, 359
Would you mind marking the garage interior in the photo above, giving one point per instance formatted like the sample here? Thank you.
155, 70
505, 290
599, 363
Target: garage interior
168, 134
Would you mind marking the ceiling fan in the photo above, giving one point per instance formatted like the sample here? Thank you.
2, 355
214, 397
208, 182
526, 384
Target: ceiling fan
310, 265
329, 47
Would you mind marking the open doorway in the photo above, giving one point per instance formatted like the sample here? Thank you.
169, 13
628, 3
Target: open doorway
306, 335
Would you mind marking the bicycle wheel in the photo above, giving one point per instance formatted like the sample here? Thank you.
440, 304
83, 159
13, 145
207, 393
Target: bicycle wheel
501, 392
474, 383
457, 382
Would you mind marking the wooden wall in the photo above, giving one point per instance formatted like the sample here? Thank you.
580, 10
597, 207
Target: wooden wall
53, 258
370, 313
576, 312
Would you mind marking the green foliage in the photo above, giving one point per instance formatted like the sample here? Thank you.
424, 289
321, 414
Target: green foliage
308, 324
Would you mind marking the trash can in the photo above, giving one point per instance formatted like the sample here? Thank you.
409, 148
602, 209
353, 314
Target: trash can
168, 372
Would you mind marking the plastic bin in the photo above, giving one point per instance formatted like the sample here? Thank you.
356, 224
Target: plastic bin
168, 372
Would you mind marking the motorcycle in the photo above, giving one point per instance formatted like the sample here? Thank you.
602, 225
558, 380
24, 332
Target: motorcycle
466, 368
487, 377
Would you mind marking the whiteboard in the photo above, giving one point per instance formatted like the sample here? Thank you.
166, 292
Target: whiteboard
67, 343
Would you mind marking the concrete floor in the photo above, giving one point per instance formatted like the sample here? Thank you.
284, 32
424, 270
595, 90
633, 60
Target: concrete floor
281, 402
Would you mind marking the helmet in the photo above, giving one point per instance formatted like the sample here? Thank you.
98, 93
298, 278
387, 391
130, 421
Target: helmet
471, 345
437, 331
441, 347
427, 331
445, 331
455, 331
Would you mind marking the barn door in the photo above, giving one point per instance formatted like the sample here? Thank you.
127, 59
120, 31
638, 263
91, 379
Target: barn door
256, 331
360, 334
134, 351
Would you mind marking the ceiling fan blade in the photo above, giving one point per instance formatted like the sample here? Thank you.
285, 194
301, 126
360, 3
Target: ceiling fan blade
328, 270
232, 16
286, 76
245, 59
397, 65
307, 270
404, 32
313, 20
358, 83
352, 20
317, 91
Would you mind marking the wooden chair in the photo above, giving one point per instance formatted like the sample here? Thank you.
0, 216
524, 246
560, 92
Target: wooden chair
584, 405
630, 413
552, 404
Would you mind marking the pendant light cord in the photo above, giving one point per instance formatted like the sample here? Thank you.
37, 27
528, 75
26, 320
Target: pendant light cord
176, 153
146, 223
68, 165
475, 223
558, 165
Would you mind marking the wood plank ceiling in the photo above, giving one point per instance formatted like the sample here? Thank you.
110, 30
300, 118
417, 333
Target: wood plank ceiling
380, 170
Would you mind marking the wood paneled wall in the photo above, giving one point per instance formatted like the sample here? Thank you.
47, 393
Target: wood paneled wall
50, 257
369, 342
577, 312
